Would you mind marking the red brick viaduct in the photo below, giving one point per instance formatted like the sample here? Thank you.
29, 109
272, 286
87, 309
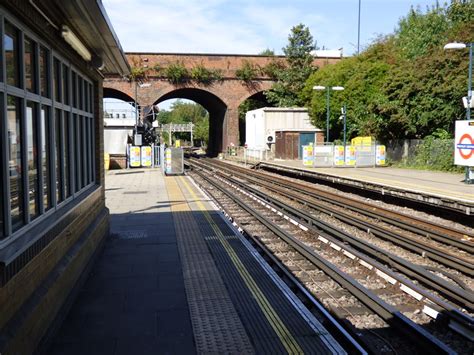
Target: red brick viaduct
220, 98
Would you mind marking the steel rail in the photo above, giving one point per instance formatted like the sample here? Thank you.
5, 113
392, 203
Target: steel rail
457, 320
409, 243
420, 337
414, 224
464, 297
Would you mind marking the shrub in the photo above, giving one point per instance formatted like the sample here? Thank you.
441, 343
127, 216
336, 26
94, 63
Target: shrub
205, 76
248, 72
177, 73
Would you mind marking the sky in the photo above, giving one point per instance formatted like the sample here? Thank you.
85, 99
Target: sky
250, 26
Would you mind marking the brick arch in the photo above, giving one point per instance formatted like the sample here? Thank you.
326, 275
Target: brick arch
230, 90
111, 93
213, 104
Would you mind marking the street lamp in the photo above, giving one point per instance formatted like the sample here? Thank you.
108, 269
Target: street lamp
327, 88
455, 45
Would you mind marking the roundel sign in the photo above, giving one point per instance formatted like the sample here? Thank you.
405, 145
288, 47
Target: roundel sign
464, 143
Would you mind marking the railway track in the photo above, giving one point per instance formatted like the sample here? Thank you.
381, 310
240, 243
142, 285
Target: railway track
455, 251
422, 304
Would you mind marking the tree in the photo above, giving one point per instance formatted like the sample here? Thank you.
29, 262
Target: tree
404, 85
290, 80
186, 112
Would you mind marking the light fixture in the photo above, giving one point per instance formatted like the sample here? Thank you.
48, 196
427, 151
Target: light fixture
75, 43
455, 45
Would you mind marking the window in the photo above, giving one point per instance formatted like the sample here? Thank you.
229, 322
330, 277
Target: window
57, 80
30, 65
32, 158
44, 72
46, 129
58, 156
15, 166
66, 84
66, 155
45, 156
77, 149
2, 187
11, 54
74, 89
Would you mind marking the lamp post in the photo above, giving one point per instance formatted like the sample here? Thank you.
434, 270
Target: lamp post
455, 45
328, 89
344, 117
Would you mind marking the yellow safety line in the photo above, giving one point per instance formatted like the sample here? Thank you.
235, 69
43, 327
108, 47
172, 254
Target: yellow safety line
286, 338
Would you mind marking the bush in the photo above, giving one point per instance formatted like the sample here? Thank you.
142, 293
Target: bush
177, 73
248, 72
433, 154
205, 76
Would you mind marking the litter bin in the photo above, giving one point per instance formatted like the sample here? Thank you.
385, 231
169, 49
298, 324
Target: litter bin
106, 161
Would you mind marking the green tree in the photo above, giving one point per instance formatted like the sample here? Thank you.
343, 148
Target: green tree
403, 85
290, 80
186, 112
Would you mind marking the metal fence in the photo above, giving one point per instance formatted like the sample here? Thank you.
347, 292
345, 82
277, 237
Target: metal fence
323, 155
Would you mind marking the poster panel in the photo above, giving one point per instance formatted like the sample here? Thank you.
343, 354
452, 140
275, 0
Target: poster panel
146, 156
350, 155
380, 155
308, 155
134, 156
339, 155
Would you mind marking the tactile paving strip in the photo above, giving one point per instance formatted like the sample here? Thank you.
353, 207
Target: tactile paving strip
309, 336
216, 324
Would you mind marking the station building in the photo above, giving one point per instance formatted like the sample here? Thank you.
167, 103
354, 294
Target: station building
53, 57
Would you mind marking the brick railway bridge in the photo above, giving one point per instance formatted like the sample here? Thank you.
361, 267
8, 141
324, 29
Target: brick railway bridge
220, 98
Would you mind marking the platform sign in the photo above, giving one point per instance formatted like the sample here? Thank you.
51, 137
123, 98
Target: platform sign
350, 155
464, 143
308, 155
146, 156
135, 156
380, 155
339, 155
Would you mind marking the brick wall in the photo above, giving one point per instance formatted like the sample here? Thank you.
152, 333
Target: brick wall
39, 277
229, 92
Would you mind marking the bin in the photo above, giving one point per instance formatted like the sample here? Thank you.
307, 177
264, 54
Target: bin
106, 161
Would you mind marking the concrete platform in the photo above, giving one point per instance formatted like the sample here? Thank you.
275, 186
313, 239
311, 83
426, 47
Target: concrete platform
176, 278
446, 190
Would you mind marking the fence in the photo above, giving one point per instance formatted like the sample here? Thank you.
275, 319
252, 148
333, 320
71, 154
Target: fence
434, 153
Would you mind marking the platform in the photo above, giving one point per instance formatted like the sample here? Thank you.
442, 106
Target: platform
176, 278
439, 189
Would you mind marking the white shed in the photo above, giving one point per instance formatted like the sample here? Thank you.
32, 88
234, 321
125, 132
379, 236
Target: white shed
261, 124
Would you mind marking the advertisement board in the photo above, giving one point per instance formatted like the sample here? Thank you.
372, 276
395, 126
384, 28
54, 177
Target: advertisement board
146, 156
135, 160
350, 155
380, 155
464, 143
308, 155
339, 155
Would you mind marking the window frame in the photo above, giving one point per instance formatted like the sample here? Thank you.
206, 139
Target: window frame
81, 107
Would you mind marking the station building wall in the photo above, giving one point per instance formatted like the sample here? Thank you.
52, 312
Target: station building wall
53, 217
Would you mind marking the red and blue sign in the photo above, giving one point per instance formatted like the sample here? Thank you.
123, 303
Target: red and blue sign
464, 143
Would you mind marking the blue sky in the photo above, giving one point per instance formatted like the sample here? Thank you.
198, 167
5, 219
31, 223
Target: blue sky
249, 26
